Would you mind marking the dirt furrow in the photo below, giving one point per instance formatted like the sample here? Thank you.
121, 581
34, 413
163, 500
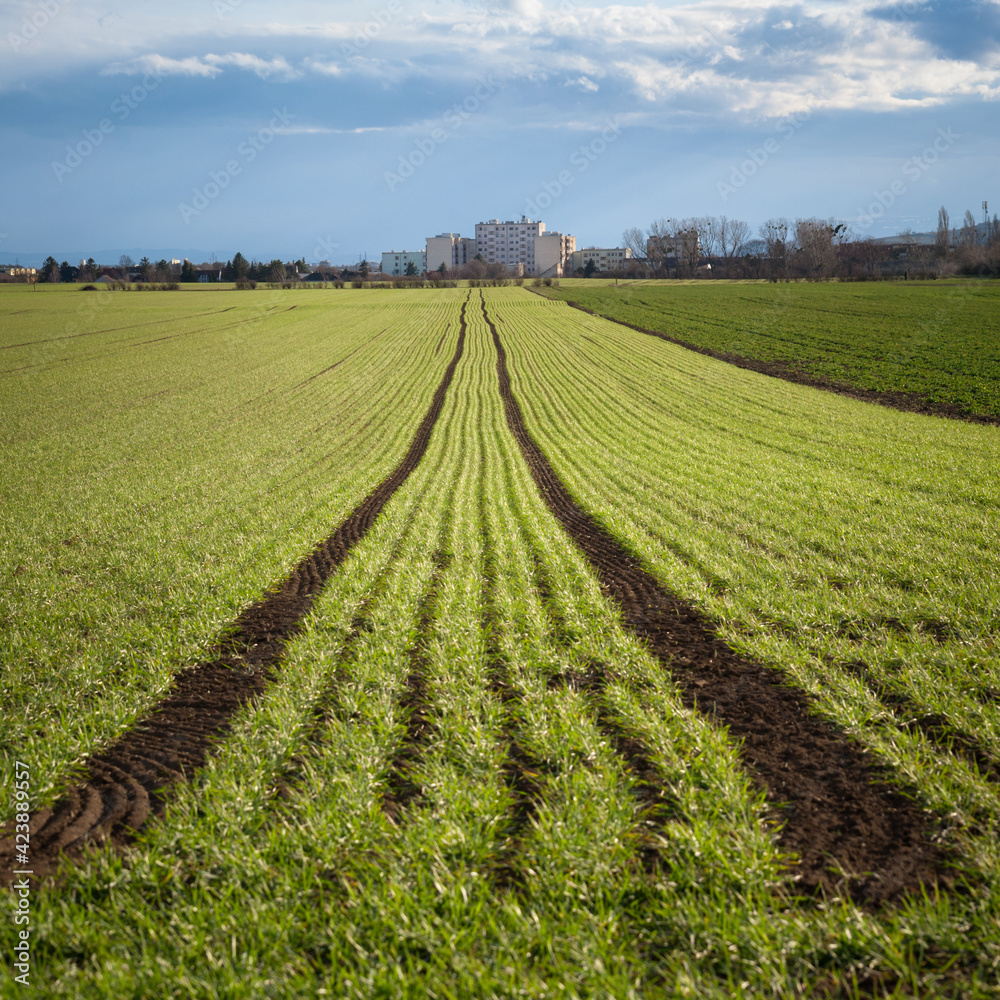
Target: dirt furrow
181, 731
855, 834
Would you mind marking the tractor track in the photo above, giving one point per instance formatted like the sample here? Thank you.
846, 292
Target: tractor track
120, 787
855, 833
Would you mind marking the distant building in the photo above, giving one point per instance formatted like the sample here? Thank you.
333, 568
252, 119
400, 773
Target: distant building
209, 271
681, 247
523, 248
449, 249
553, 253
605, 259
394, 261
510, 243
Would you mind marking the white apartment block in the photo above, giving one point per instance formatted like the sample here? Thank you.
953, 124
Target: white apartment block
394, 261
553, 253
605, 259
449, 249
524, 246
510, 243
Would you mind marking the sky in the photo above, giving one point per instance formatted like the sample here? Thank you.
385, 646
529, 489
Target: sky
328, 130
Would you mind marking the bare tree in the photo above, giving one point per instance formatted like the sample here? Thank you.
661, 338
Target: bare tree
634, 239
739, 236
774, 233
970, 234
660, 243
942, 241
817, 241
729, 236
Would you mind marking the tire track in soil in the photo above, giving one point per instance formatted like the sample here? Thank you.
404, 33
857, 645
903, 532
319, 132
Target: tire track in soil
126, 783
831, 795
906, 402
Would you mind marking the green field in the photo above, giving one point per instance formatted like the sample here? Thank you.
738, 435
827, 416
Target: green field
938, 342
468, 776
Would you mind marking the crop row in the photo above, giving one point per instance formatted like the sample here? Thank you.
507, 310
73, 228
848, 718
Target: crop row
153, 490
925, 348
468, 779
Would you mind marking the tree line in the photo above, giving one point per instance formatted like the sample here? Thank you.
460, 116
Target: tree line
813, 248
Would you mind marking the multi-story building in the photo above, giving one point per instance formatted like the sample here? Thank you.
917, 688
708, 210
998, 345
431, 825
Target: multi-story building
678, 248
553, 253
395, 261
524, 248
449, 249
510, 243
605, 259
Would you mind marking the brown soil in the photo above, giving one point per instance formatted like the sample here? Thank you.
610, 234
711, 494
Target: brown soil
855, 833
908, 402
124, 784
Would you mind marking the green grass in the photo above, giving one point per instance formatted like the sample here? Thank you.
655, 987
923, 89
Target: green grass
154, 487
793, 518
940, 341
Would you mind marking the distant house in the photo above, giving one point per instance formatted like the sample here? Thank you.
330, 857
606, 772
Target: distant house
209, 272
14, 272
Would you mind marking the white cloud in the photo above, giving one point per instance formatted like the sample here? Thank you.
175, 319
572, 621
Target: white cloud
209, 65
748, 58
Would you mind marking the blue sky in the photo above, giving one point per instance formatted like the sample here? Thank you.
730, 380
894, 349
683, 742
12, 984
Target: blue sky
332, 129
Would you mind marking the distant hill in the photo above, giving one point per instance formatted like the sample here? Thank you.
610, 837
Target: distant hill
107, 257
928, 239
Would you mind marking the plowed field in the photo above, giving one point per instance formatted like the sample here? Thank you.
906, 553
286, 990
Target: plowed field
457, 643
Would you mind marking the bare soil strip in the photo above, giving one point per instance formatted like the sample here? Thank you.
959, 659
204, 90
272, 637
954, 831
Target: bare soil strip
124, 784
855, 833
908, 402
